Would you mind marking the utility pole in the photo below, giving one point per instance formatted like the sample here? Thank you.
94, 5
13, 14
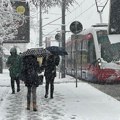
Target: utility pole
40, 25
63, 38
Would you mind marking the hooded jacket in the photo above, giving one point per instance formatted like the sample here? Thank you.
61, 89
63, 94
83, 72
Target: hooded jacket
14, 63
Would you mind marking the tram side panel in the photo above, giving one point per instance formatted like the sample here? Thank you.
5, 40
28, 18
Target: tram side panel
70, 58
85, 58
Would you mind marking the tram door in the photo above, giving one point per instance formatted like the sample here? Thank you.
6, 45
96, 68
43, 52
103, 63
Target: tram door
87, 55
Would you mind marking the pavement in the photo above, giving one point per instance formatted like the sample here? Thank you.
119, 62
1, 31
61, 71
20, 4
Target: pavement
70, 102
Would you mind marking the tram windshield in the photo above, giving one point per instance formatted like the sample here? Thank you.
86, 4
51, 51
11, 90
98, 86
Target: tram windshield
109, 52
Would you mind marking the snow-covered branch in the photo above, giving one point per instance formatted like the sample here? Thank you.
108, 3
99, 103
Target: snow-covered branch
10, 20
50, 3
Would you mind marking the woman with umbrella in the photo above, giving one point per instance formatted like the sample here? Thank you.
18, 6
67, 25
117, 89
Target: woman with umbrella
30, 69
50, 72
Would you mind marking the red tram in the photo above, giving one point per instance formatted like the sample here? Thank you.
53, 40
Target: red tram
94, 55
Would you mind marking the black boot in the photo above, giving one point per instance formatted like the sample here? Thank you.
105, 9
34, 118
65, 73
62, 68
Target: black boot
12, 86
13, 92
18, 89
46, 91
46, 95
51, 91
18, 85
51, 96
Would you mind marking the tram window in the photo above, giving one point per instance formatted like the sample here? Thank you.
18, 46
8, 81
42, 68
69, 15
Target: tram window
103, 37
106, 53
115, 48
91, 52
103, 40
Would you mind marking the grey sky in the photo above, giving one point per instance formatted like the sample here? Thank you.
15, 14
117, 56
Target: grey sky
85, 12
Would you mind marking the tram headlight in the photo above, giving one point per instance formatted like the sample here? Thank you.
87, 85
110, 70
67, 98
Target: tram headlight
99, 61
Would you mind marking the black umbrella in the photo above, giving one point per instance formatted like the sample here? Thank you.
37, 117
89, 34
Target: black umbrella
57, 50
39, 52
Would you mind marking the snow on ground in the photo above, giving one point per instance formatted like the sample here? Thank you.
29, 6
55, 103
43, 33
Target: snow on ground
70, 102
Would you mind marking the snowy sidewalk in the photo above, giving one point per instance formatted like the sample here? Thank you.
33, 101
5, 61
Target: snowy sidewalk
69, 103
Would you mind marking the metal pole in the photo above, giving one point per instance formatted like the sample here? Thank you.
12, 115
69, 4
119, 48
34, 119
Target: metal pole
59, 65
81, 57
1, 58
76, 59
40, 27
101, 21
63, 38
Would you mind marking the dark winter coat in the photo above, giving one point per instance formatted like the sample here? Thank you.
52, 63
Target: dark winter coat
14, 63
50, 66
30, 69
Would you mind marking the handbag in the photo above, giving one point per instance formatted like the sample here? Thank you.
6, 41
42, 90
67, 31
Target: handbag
40, 79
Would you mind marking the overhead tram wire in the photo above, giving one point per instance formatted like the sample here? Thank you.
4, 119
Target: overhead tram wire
77, 2
61, 17
51, 22
83, 12
79, 5
67, 15
50, 32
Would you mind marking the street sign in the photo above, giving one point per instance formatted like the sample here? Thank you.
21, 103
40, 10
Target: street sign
58, 37
76, 27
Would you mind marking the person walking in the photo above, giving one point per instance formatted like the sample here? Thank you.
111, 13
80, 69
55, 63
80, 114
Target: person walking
50, 73
29, 73
14, 64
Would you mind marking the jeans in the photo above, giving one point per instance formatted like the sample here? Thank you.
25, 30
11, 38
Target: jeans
31, 92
